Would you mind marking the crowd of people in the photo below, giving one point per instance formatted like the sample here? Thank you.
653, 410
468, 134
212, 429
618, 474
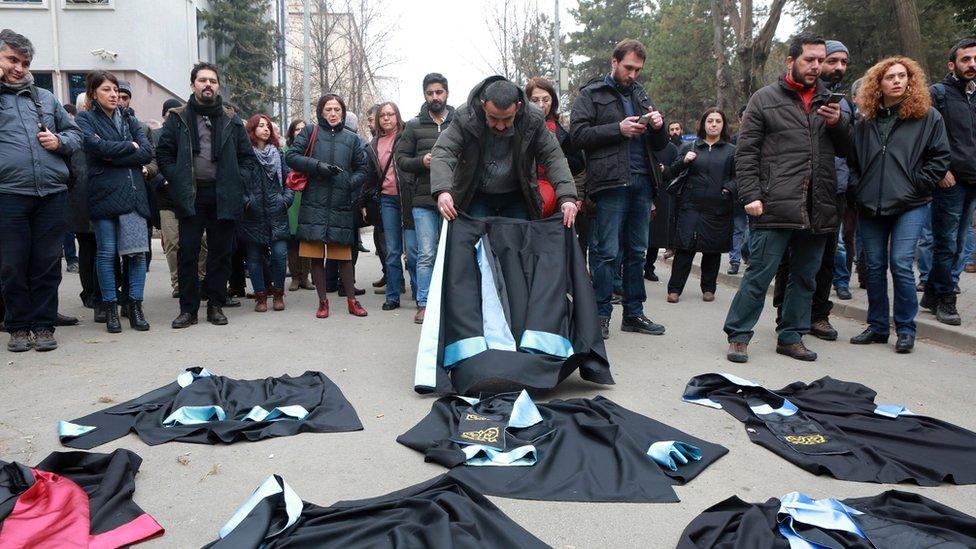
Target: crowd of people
813, 182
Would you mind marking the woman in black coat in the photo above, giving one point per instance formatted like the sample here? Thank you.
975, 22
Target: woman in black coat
265, 222
336, 172
703, 188
116, 150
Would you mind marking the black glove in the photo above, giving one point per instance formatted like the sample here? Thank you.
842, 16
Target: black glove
324, 168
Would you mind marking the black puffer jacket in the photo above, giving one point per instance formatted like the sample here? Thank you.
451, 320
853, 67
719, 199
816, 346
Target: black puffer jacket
417, 140
595, 127
703, 197
898, 174
266, 202
115, 182
785, 158
328, 201
76, 209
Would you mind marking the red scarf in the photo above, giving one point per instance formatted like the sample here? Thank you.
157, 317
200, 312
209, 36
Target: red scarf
806, 94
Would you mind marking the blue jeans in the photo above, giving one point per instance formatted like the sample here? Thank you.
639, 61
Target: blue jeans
105, 252
622, 221
31, 237
889, 244
740, 236
396, 240
427, 228
923, 252
842, 275
968, 251
499, 205
255, 264
952, 215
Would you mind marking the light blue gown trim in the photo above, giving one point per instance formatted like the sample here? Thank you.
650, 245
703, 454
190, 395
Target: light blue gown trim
498, 334
893, 410
672, 453
546, 342
825, 513
194, 415
425, 368
486, 456
786, 409
187, 377
524, 412
66, 429
711, 403
462, 349
270, 487
276, 414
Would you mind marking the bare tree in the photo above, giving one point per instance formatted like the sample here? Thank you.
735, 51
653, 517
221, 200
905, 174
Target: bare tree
522, 40
911, 34
752, 50
718, 51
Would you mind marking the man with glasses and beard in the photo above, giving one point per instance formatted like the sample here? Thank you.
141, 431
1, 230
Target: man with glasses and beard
787, 183
205, 155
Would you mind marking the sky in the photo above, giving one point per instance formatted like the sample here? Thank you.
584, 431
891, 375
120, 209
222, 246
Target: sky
455, 41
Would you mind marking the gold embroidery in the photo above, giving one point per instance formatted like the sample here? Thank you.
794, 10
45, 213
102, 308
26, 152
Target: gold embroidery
484, 435
474, 417
806, 440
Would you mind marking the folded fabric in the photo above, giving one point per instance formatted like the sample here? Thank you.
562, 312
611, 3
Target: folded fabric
205, 408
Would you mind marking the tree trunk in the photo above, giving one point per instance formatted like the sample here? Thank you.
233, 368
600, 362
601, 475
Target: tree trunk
718, 49
911, 35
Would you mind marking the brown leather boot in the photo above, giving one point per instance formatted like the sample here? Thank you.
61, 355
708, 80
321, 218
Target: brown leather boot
673, 297
419, 317
323, 310
279, 299
355, 308
738, 352
260, 302
796, 350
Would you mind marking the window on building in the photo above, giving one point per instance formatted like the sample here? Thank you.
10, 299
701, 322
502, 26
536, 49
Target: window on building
23, 3
76, 85
44, 80
88, 3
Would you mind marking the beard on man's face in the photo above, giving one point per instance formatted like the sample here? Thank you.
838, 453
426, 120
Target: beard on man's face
964, 75
436, 105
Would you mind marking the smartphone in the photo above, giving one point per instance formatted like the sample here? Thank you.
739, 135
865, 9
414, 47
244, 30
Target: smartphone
645, 120
835, 98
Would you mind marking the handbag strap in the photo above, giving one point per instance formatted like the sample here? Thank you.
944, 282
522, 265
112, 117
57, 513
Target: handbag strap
311, 140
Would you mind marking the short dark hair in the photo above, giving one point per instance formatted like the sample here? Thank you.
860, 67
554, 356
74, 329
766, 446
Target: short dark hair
325, 99
70, 109
17, 42
804, 39
963, 44
204, 66
372, 110
725, 124
538, 82
503, 93
435, 78
292, 131
95, 79
673, 122
629, 45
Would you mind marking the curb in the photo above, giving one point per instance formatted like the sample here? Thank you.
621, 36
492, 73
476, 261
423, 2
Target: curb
950, 336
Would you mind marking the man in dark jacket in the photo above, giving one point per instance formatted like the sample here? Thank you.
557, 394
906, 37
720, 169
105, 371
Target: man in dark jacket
614, 123
205, 156
787, 182
36, 139
486, 161
832, 75
413, 158
955, 198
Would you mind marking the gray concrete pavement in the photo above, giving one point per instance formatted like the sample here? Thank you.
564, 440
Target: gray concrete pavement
192, 489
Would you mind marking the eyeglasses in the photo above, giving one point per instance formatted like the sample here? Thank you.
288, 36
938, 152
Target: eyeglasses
544, 100
388, 115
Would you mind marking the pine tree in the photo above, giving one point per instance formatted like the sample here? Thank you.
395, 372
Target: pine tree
245, 40
603, 24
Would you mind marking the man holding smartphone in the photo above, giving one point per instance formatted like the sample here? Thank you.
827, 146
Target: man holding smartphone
614, 122
788, 185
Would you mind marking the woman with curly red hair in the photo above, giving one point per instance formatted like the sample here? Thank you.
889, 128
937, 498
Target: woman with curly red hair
901, 152
265, 223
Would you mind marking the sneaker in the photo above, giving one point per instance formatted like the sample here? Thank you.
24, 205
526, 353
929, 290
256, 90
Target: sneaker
419, 317
605, 327
920, 287
20, 341
796, 350
733, 270
946, 312
44, 340
843, 293
822, 329
73, 268
641, 325
708, 297
390, 305
673, 297
738, 352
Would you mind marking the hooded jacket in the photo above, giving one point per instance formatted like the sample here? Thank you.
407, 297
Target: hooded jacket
456, 157
785, 158
418, 138
595, 129
266, 203
901, 172
327, 213
235, 162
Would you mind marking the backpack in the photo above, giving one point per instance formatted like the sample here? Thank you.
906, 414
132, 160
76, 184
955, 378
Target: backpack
939, 94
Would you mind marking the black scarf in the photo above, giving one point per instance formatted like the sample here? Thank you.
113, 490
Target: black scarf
214, 112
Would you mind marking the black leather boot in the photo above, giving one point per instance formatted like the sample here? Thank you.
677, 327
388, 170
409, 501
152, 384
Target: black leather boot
112, 322
100, 312
137, 319
215, 315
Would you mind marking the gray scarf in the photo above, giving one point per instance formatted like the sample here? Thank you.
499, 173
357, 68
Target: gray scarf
25, 83
270, 159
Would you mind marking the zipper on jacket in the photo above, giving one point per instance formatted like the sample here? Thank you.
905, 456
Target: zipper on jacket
884, 152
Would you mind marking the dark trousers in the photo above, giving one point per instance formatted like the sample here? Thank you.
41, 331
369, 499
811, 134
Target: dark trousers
220, 246
379, 244
650, 259
681, 268
767, 247
237, 267
821, 304
86, 269
952, 215
31, 240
